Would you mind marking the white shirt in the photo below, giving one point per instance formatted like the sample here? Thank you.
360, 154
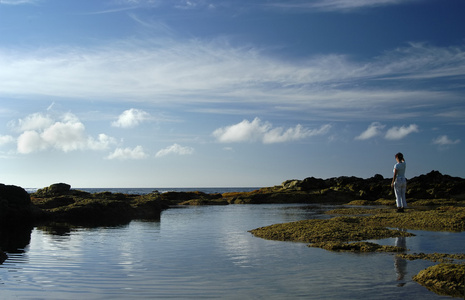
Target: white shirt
400, 167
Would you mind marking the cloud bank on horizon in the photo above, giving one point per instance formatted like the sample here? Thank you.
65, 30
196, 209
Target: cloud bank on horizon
166, 84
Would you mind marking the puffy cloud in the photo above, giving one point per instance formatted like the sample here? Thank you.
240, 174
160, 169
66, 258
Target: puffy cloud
373, 130
397, 133
128, 153
257, 130
244, 131
131, 118
41, 132
36, 121
30, 141
444, 140
175, 149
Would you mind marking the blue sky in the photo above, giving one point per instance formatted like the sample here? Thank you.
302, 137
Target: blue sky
203, 93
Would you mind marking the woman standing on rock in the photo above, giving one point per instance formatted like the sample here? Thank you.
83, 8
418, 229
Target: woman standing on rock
399, 182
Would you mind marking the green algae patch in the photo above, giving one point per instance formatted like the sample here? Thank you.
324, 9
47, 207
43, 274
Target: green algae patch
341, 229
358, 211
443, 279
356, 247
445, 218
435, 257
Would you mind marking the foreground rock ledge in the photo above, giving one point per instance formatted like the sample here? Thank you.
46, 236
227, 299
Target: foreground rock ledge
444, 279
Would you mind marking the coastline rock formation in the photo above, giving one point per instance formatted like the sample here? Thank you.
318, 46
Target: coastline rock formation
430, 189
15, 205
60, 203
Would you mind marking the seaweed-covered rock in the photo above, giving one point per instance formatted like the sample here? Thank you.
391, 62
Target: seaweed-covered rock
58, 203
15, 204
443, 279
54, 190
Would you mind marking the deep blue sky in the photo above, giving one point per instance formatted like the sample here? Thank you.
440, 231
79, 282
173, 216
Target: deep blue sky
163, 93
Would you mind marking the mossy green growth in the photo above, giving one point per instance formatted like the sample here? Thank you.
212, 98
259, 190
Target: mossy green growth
445, 218
356, 247
342, 229
443, 279
435, 257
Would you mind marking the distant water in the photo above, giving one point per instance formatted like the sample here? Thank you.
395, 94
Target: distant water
200, 252
144, 191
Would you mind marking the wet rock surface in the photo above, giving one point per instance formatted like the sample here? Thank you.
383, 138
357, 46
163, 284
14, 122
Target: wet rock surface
444, 279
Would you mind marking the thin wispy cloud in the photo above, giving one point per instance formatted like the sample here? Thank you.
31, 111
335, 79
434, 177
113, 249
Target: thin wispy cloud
128, 153
6, 139
207, 71
17, 2
335, 5
218, 72
259, 131
175, 149
444, 140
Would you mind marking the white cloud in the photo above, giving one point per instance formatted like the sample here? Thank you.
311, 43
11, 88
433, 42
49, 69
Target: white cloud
257, 130
372, 131
30, 141
36, 121
444, 140
128, 153
277, 135
397, 133
131, 118
6, 139
244, 131
175, 149
41, 132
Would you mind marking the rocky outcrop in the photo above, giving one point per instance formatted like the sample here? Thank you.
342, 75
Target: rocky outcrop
59, 203
15, 204
346, 189
53, 190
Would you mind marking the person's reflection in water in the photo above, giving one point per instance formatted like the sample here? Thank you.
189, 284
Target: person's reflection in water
400, 263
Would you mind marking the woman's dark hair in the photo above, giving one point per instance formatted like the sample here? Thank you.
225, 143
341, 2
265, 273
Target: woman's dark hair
400, 156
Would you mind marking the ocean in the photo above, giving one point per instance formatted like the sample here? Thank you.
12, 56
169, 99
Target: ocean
144, 191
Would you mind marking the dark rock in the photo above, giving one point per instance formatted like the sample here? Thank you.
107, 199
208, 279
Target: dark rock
15, 204
3, 256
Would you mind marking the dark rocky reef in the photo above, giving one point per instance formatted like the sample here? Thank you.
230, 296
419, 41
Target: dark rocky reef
430, 189
60, 203
15, 205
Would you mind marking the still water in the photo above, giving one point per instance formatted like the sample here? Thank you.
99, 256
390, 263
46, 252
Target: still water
207, 252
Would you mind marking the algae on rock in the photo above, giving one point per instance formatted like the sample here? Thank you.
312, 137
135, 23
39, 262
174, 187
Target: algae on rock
443, 279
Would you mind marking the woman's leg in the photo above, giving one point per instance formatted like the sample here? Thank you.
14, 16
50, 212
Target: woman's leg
398, 193
403, 191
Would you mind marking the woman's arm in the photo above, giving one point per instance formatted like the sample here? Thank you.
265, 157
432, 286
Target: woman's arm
394, 177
